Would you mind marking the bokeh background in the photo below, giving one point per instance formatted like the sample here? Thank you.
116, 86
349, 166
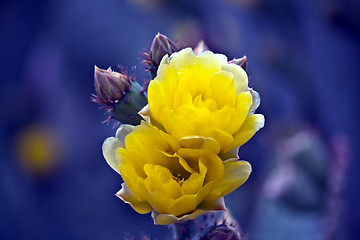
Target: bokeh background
304, 60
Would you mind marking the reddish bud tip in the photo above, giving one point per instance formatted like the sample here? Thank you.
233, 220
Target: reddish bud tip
160, 46
200, 48
242, 62
110, 86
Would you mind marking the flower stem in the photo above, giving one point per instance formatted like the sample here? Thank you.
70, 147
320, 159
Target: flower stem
184, 231
197, 228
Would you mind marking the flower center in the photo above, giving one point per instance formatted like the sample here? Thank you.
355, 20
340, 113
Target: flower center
180, 180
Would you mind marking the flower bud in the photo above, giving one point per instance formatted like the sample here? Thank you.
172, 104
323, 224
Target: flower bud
110, 86
120, 94
160, 46
242, 62
200, 48
223, 232
126, 110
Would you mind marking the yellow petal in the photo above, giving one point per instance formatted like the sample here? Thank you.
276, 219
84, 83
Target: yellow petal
242, 106
175, 125
233, 154
204, 191
243, 101
194, 80
130, 177
171, 141
161, 89
196, 118
161, 173
161, 179
127, 162
160, 201
236, 173
209, 103
176, 161
204, 208
186, 166
213, 206
221, 89
142, 192
123, 131
165, 60
181, 97
200, 142
193, 184
222, 137
225, 119
109, 151
210, 61
139, 206
229, 119
145, 113
240, 77
182, 205
214, 165
111, 145
182, 59
202, 169
222, 58
166, 219
250, 126
146, 145
172, 187
153, 183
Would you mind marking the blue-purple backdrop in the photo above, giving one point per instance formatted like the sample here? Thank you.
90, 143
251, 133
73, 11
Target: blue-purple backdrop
304, 60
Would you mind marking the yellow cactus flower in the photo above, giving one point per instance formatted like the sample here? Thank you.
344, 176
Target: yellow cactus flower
182, 160
203, 96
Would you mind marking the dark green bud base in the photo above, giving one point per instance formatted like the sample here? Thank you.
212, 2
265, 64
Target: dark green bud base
126, 109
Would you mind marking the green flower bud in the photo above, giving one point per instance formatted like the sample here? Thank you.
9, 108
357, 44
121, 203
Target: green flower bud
126, 109
120, 94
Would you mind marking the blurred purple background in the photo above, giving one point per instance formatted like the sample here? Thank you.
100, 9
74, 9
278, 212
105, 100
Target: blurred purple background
304, 60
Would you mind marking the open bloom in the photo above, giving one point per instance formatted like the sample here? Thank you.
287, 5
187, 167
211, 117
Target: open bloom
203, 96
182, 159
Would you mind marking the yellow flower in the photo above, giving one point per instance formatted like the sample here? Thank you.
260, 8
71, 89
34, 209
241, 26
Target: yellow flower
182, 161
203, 96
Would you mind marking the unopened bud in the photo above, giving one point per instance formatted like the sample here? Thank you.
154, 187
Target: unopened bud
242, 62
160, 46
223, 232
126, 110
110, 86
120, 94
200, 48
